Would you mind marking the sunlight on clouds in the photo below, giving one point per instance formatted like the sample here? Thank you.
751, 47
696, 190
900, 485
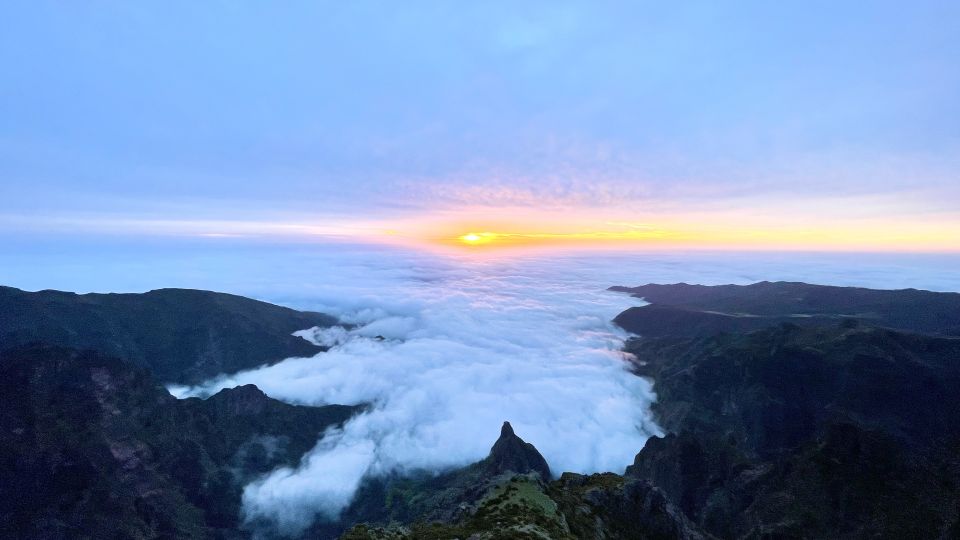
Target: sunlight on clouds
513, 239
866, 226
474, 238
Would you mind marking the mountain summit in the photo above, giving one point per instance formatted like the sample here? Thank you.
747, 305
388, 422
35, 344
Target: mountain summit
511, 453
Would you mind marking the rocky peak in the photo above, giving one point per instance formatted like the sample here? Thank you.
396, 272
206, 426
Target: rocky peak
512, 454
241, 400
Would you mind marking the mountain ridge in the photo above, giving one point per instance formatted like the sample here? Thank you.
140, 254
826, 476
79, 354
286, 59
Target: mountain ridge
838, 427
683, 309
183, 336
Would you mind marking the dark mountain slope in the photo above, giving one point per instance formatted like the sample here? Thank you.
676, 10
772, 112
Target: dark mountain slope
656, 320
181, 335
696, 310
847, 431
93, 447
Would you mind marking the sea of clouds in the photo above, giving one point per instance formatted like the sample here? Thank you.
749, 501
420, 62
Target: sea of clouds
447, 348
445, 355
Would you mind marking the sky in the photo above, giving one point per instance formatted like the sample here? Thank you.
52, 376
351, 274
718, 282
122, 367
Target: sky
770, 125
330, 155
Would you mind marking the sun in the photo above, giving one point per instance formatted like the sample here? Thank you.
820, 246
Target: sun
474, 239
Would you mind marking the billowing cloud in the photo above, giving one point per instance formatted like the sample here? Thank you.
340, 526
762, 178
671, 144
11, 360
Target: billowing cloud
446, 349
466, 348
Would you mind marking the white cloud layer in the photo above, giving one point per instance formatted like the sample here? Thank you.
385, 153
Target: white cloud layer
445, 360
446, 350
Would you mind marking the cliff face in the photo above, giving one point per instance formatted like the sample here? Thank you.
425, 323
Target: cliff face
91, 446
180, 335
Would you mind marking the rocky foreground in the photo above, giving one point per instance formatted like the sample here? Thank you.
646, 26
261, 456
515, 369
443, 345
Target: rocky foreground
793, 411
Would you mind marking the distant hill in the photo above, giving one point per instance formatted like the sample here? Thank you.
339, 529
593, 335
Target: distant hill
181, 335
698, 310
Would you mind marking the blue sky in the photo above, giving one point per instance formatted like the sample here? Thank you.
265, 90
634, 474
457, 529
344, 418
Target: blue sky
320, 113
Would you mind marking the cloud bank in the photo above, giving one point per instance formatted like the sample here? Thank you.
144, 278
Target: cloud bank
445, 350
444, 363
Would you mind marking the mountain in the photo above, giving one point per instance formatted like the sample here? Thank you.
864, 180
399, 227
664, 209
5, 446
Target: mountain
447, 497
843, 428
92, 446
512, 454
831, 413
509, 495
181, 335
698, 310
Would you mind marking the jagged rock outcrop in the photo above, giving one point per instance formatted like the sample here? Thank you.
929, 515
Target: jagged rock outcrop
512, 454
446, 497
507, 496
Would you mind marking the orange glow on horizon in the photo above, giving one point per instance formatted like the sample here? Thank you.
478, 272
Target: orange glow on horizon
521, 239
487, 230
732, 234
475, 239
